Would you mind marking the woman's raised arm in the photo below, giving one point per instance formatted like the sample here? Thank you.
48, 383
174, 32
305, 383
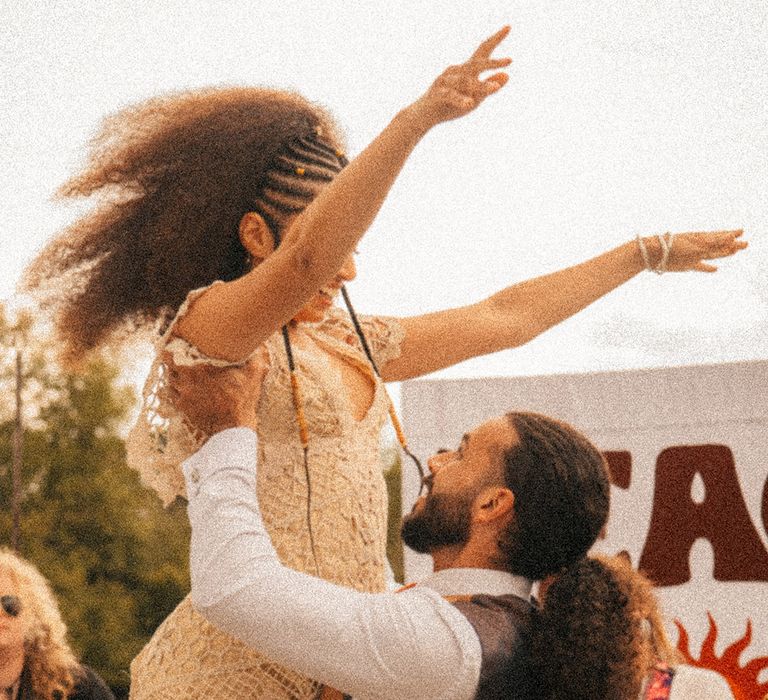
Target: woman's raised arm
230, 320
519, 313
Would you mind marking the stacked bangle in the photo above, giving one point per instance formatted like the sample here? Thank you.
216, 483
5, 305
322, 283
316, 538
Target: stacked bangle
665, 242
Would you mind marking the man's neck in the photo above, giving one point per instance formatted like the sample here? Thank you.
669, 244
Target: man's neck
443, 558
11, 666
462, 557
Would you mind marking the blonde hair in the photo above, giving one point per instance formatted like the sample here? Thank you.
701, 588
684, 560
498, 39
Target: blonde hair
49, 660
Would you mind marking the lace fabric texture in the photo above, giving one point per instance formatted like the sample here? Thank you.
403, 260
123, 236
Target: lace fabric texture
189, 658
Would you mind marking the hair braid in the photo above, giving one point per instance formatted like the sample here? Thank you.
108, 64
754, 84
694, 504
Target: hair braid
170, 179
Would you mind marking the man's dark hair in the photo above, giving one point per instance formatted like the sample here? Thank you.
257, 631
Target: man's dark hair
561, 487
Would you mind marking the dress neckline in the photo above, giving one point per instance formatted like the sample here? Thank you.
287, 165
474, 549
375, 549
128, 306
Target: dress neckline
329, 344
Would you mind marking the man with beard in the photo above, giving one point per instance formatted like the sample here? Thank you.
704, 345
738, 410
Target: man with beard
520, 498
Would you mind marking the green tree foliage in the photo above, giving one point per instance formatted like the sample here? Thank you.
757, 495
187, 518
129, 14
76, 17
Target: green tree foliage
116, 560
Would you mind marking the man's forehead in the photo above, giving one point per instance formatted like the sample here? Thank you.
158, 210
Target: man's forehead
496, 436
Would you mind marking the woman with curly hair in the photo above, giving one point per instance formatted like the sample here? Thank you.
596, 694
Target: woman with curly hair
36, 662
227, 221
600, 634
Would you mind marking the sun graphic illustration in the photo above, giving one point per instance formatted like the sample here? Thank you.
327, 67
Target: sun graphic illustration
742, 679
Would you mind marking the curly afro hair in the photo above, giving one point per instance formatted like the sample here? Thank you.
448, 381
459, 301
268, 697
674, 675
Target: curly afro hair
171, 179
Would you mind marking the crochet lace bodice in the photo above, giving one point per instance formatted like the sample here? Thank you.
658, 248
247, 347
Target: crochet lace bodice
187, 657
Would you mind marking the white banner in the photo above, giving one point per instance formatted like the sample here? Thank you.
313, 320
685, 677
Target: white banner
688, 449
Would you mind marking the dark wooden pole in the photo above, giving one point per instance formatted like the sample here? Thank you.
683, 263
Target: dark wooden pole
18, 433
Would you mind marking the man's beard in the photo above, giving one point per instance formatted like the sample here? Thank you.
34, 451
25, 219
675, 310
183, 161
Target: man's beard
443, 521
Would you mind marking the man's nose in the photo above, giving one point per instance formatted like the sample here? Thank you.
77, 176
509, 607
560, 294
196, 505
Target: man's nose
435, 462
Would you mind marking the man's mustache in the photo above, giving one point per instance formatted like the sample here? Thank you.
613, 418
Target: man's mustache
425, 488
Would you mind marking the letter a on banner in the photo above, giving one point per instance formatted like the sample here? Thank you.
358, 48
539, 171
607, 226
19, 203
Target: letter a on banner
677, 521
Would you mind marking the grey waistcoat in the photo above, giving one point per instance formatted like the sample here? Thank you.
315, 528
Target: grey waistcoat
503, 624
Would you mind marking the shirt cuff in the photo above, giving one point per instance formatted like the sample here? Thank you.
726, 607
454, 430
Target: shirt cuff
232, 450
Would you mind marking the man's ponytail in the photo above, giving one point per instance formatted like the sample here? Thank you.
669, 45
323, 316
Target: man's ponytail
599, 632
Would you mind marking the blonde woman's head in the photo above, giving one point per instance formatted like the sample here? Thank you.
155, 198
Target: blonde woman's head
37, 627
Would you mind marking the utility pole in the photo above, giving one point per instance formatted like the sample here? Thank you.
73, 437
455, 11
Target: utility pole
18, 435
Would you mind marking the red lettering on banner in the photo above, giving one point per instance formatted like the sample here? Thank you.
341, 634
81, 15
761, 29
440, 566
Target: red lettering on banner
619, 467
722, 518
764, 510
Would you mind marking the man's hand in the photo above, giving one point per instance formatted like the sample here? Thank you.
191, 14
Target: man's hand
213, 399
459, 89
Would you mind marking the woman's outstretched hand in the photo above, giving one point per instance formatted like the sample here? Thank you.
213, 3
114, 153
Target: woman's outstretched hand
459, 89
691, 251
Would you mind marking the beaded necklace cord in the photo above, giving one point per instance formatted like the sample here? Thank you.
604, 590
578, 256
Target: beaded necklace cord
392, 413
311, 151
298, 407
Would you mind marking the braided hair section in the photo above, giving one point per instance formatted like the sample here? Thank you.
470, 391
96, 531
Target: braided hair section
169, 180
301, 169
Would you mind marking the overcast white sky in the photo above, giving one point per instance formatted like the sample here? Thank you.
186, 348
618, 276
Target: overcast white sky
618, 118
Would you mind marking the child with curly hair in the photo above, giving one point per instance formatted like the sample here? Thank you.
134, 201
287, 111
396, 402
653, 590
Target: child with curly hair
601, 635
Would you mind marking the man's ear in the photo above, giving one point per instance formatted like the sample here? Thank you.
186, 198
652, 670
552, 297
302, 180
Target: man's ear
256, 236
492, 503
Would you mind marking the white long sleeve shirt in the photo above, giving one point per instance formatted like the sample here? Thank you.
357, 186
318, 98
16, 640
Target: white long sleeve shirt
408, 645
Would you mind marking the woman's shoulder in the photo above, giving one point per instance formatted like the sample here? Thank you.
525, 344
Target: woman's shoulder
180, 351
172, 318
384, 334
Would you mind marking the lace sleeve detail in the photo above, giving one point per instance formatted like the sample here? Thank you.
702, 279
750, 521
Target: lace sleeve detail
161, 439
182, 352
384, 335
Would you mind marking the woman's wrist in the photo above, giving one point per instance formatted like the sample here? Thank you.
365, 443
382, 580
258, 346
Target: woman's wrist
413, 122
653, 250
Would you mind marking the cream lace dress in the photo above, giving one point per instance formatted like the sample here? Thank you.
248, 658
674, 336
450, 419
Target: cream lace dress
189, 658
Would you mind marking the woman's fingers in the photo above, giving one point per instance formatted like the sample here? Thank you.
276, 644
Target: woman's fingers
704, 267
720, 236
459, 89
477, 67
496, 81
473, 70
692, 250
721, 243
471, 87
733, 247
487, 47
